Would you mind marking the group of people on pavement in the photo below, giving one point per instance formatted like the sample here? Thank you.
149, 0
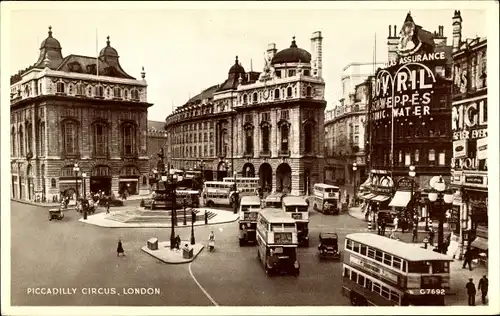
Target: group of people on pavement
481, 286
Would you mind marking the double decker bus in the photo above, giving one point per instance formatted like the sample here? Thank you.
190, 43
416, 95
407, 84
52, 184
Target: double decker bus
245, 185
274, 200
326, 198
191, 196
385, 272
277, 242
217, 193
247, 221
298, 209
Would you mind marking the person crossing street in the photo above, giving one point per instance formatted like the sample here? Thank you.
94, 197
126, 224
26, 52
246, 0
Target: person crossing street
483, 287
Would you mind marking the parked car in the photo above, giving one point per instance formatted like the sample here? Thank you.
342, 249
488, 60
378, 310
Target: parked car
388, 215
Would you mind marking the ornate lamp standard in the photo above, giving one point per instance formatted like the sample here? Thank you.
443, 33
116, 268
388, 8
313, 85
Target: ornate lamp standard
193, 219
440, 198
76, 169
202, 165
173, 180
84, 176
412, 175
354, 168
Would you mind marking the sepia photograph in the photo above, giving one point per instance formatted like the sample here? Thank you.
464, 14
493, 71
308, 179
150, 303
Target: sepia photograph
169, 158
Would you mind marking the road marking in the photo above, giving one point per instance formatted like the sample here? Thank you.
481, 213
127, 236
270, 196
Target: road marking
201, 287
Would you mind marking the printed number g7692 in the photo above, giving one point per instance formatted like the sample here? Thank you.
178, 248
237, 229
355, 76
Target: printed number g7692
433, 291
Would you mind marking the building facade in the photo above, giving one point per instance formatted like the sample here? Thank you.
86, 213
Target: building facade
268, 124
157, 140
469, 123
77, 110
345, 127
409, 118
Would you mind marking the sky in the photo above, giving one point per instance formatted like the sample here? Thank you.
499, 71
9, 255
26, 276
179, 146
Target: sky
186, 49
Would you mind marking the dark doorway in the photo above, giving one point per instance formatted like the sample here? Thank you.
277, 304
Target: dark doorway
248, 170
284, 178
102, 183
266, 177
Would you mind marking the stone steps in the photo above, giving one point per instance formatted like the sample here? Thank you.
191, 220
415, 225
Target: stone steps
139, 217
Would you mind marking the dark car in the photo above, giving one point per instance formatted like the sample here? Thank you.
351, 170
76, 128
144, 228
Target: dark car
328, 246
388, 216
112, 202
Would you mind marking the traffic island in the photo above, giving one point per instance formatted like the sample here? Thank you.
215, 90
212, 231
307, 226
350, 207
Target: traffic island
162, 251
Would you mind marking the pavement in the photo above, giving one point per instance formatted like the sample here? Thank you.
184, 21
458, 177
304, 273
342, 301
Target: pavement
358, 214
165, 254
52, 204
104, 220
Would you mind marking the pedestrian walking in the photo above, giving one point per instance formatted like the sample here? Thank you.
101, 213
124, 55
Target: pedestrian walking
384, 224
468, 259
471, 292
415, 234
392, 235
119, 249
395, 222
379, 226
403, 224
483, 286
107, 206
431, 236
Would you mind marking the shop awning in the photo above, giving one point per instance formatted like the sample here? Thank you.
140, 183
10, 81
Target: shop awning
381, 198
480, 243
400, 199
368, 196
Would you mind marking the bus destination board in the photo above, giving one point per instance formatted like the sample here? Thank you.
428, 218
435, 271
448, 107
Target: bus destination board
283, 238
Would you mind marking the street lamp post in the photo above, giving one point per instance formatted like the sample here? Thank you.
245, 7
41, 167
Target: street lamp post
76, 169
444, 198
193, 219
84, 175
202, 165
412, 175
354, 168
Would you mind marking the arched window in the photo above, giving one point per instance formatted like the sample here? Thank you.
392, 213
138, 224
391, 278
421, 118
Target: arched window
13, 141
21, 141
144, 180
134, 94
53, 183
308, 138
284, 138
265, 138
245, 99
128, 136
289, 92
276, 94
100, 140
254, 97
70, 138
60, 87
248, 141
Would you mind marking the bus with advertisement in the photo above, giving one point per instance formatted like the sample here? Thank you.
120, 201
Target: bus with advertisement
245, 185
298, 209
277, 242
326, 198
385, 272
274, 200
247, 220
218, 193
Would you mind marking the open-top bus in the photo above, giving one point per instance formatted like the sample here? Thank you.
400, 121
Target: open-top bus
326, 198
217, 193
247, 221
386, 272
245, 185
298, 209
277, 242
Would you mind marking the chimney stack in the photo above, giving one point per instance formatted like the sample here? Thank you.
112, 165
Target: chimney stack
457, 31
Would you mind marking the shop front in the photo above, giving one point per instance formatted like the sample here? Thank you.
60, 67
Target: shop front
129, 181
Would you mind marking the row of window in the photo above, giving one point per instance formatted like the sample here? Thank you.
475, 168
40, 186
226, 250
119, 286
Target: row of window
412, 156
97, 91
434, 128
192, 138
100, 136
277, 95
371, 284
380, 256
26, 143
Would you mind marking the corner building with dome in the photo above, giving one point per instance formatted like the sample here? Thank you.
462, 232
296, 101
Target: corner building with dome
77, 110
267, 125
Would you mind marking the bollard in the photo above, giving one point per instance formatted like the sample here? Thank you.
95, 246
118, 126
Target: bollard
426, 240
206, 217
369, 225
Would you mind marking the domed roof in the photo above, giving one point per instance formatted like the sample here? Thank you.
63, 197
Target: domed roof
108, 50
236, 68
292, 55
50, 42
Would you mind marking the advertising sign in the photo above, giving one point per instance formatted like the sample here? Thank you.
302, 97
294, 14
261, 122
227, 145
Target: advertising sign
297, 215
405, 184
250, 216
283, 238
460, 148
407, 87
482, 148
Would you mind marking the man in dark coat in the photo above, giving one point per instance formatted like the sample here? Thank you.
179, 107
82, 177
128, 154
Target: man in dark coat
177, 242
468, 259
383, 226
431, 236
415, 233
471, 292
119, 249
483, 286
